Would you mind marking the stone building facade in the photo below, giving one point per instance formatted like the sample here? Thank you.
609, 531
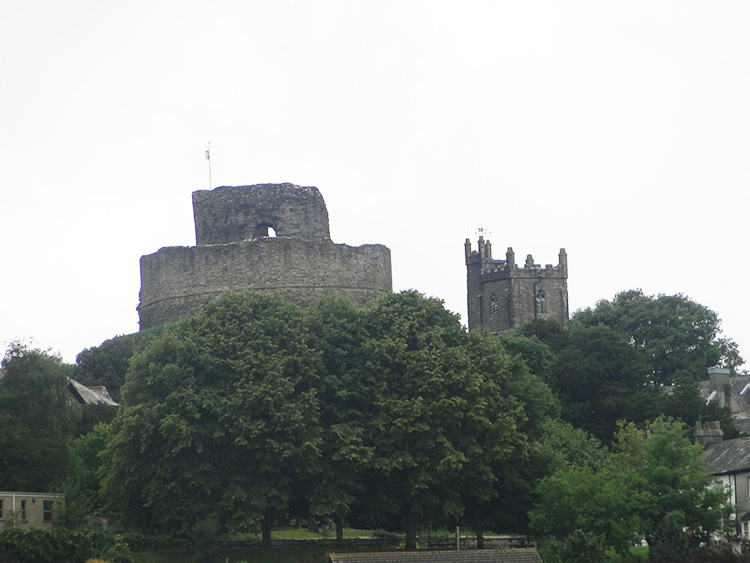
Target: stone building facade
266, 237
502, 296
29, 510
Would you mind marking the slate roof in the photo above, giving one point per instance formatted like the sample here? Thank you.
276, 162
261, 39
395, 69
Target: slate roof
93, 395
731, 456
737, 384
513, 555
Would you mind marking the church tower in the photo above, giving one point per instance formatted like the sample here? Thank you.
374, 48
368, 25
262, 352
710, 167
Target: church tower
502, 296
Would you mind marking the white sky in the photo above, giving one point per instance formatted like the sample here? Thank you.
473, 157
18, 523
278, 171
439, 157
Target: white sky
619, 130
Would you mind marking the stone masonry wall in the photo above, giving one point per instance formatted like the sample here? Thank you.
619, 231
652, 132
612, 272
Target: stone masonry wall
502, 295
234, 214
300, 262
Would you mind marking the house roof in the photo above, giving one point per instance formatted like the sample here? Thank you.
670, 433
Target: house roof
739, 387
513, 555
93, 395
731, 456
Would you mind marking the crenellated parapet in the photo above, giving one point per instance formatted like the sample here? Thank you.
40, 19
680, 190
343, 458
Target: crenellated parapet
501, 295
488, 266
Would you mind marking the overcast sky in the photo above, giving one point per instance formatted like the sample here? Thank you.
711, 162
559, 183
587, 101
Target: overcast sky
618, 130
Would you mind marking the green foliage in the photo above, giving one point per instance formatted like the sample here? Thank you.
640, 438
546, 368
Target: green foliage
570, 446
653, 473
205, 536
447, 411
333, 329
600, 379
583, 547
52, 546
685, 403
670, 539
678, 337
537, 355
255, 409
119, 551
107, 363
35, 419
219, 413
81, 487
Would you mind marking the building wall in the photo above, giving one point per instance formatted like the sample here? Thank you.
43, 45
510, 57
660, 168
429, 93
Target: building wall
233, 214
29, 510
234, 253
502, 296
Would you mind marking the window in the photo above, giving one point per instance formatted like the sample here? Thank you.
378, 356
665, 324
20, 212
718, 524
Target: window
47, 507
493, 304
541, 302
23, 510
746, 529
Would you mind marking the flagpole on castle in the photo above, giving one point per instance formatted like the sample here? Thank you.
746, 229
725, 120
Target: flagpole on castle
208, 158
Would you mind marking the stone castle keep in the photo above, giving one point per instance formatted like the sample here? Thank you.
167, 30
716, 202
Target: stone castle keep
275, 237
265, 237
502, 296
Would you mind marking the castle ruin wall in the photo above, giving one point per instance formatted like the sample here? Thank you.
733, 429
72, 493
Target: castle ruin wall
301, 262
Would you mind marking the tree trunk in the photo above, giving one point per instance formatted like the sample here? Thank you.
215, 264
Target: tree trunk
411, 530
478, 528
265, 529
339, 530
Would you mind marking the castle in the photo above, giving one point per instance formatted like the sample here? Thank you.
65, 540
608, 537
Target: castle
275, 237
267, 237
502, 296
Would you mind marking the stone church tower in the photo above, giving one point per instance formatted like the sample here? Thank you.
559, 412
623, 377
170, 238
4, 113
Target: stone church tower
502, 296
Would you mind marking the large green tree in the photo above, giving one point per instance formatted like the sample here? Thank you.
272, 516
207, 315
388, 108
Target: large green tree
600, 379
654, 473
442, 409
35, 419
677, 337
334, 330
218, 416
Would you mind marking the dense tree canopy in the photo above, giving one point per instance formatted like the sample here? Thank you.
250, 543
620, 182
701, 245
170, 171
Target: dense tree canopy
107, 363
445, 412
35, 419
615, 360
255, 409
653, 473
678, 337
218, 417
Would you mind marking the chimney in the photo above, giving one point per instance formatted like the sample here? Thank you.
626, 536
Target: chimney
707, 433
720, 383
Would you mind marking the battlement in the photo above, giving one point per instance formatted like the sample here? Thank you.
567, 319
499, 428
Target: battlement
508, 267
501, 295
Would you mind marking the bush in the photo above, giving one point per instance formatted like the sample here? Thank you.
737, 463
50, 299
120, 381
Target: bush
52, 546
205, 536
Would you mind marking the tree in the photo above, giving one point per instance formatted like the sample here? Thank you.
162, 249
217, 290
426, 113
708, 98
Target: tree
218, 416
107, 363
600, 379
653, 473
81, 486
676, 336
334, 330
441, 411
35, 419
